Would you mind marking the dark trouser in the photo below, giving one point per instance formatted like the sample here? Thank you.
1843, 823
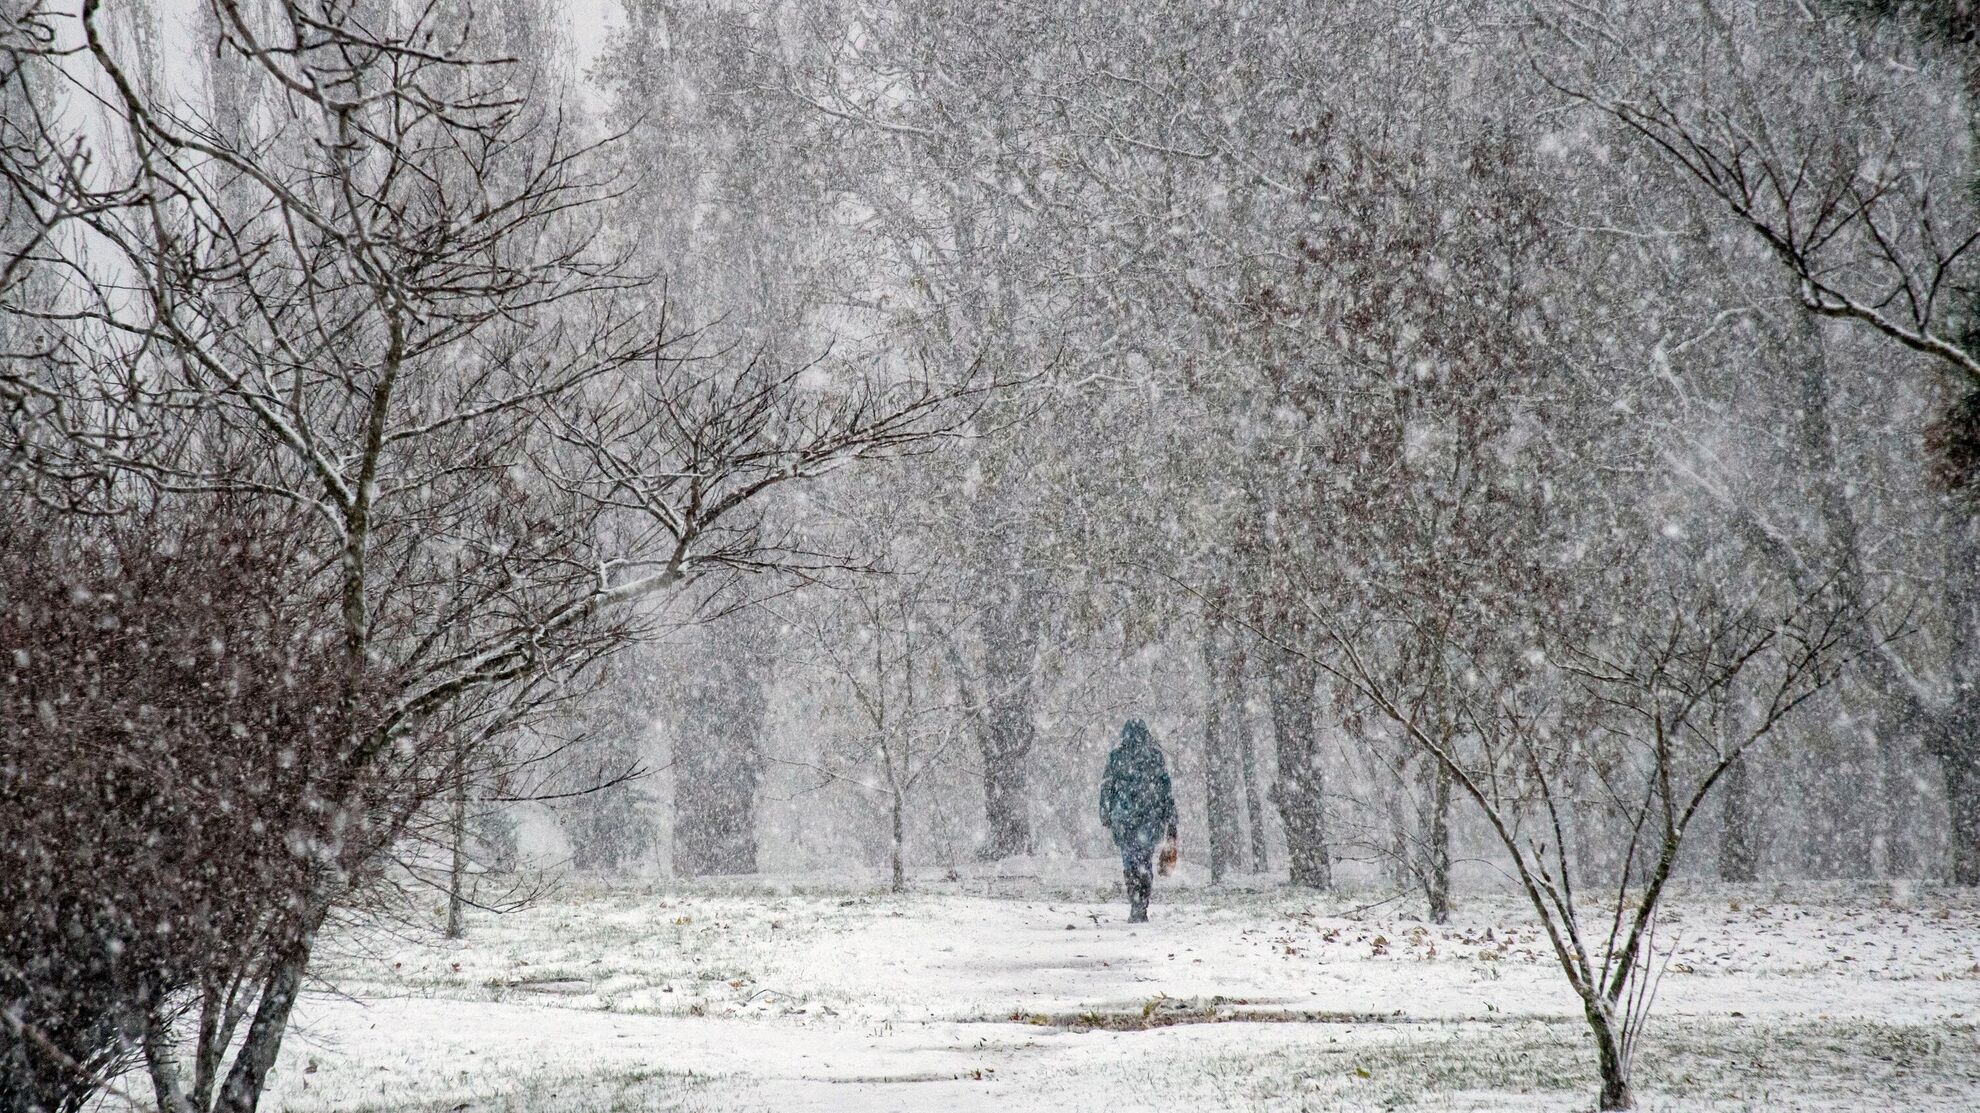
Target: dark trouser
1138, 864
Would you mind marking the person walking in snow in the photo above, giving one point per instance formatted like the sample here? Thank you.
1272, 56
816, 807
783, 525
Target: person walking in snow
1138, 805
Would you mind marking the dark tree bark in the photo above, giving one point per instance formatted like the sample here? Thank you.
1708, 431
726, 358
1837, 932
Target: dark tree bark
715, 822
279, 990
457, 821
1962, 773
897, 840
1300, 790
1955, 743
1436, 860
1739, 845
1739, 850
1237, 720
1954, 738
1901, 711
1610, 1061
1254, 808
1007, 738
1008, 726
1222, 765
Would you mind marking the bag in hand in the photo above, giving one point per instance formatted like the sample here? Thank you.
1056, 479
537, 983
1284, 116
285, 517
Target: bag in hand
1171, 854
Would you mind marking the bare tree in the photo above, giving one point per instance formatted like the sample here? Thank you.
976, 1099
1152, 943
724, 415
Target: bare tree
875, 648
1635, 732
380, 300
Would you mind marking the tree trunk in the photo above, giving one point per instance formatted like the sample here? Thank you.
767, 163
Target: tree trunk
163, 1062
715, 811
1437, 846
1739, 853
1007, 737
1238, 715
1899, 802
899, 841
1254, 808
1963, 800
1739, 846
242, 1090
1009, 725
1956, 745
457, 819
1214, 808
1221, 767
1955, 737
998, 710
218, 1017
1299, 791
1609, 1058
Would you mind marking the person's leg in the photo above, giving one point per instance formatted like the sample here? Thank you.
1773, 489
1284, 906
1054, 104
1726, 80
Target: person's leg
1127, 873
1127, 870
1140, 868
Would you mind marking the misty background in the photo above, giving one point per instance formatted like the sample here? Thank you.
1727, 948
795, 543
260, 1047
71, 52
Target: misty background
1304, 298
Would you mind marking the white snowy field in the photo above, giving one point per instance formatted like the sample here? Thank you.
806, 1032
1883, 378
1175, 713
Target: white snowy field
1034, 994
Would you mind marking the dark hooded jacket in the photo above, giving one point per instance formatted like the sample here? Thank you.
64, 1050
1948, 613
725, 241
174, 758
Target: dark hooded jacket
1136, 801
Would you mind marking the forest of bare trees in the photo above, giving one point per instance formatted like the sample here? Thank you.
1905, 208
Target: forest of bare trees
1340, 324
1483, 440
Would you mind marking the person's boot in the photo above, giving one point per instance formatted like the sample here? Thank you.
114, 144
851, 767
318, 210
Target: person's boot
1138, 885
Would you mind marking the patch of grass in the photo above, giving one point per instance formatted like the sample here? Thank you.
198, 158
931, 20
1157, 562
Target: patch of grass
1715, 1064
639, 1090
1166, 1012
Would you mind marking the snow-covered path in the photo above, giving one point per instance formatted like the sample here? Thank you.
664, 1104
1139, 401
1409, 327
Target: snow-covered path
940, 1000
400, 1053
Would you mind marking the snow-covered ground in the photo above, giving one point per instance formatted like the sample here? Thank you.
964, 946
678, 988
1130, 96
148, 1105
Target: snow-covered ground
1031, 994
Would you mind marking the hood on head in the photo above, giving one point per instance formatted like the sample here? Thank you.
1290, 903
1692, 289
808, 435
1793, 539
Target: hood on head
1134, 732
